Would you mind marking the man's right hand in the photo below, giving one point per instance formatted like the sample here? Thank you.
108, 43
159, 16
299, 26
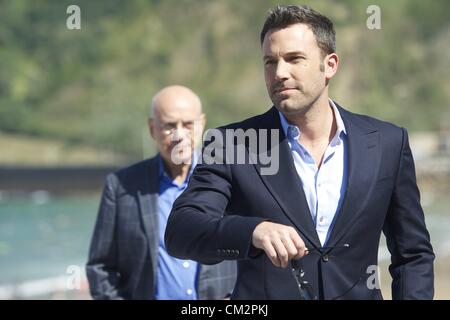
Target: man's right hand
281, 243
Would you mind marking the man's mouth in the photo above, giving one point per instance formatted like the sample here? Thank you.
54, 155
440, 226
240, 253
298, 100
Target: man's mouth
283, 89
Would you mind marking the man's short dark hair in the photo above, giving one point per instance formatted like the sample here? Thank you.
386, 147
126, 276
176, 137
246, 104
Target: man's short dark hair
322, 27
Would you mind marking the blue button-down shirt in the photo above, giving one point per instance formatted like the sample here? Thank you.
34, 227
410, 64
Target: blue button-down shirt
324, 188
176, 279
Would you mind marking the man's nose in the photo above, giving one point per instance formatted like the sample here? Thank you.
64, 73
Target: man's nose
179, 133
282, 70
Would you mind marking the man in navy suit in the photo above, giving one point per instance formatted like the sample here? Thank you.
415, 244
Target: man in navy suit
342, 179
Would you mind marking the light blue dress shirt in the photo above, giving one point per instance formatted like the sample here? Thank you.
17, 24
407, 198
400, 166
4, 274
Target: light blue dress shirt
324, 188
175, 279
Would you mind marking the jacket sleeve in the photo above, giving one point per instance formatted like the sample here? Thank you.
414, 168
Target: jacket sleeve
101, 268
406, 234
198, 227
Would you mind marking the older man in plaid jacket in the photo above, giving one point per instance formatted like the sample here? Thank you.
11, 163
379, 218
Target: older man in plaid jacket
128, 258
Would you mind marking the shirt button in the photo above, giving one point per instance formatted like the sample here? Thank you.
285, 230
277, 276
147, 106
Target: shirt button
321, 219
186, 264
189, 291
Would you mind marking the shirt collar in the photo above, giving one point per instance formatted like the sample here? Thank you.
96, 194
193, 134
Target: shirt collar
293, 132
339, 122
164, 174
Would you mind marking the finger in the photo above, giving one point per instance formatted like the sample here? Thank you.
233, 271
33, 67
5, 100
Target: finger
289, 246
271, 253
282, 253
299, 244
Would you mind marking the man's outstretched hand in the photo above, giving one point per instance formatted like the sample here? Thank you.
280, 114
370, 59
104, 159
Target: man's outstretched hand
281, 243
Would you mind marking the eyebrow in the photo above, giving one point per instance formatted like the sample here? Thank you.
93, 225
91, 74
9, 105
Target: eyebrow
296, 53
288, 54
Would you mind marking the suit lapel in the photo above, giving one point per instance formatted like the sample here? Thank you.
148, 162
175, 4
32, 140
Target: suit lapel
286, 186
148, 201
364, 157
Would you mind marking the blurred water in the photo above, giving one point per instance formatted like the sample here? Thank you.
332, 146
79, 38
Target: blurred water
41, 236
437, 219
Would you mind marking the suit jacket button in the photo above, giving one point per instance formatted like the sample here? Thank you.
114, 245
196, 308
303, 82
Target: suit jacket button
325, 258
218, 252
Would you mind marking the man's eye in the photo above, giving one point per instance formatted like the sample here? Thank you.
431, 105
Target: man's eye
296, 59
169, 126
189, 124
269, 62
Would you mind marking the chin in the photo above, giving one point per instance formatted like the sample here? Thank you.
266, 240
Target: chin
182, 157
293, 108
287, 108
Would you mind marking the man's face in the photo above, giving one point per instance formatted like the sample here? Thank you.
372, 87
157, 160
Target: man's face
177, 127
293, 68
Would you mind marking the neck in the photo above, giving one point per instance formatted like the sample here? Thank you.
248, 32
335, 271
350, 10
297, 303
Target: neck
317, 123
177, 172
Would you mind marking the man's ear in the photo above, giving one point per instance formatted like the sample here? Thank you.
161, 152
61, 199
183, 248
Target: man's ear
151, 127
199, 130
203, 119
331, 63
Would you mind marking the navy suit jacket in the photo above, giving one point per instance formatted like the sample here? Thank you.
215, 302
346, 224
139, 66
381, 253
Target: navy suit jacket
215, 217
123, 256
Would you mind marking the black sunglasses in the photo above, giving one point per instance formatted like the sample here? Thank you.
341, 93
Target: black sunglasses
304, 287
